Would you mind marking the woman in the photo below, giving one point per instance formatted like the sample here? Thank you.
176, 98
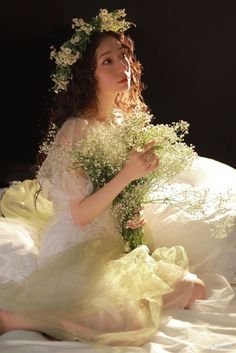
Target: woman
84, 286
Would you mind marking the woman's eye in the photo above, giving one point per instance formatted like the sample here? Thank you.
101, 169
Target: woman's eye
107, 61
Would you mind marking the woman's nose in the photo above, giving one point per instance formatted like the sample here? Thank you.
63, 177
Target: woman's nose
123, 65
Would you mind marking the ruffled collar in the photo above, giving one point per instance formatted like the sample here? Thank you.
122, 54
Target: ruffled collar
116, 118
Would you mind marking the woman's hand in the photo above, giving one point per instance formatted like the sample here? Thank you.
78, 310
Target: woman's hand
141, 163
138, 220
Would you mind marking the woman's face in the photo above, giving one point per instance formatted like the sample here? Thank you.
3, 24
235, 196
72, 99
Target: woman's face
113, 72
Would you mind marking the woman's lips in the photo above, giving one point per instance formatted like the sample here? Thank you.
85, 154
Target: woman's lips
124, 80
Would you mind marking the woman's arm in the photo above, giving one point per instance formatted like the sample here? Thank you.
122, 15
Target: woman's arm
85, 211
138, 165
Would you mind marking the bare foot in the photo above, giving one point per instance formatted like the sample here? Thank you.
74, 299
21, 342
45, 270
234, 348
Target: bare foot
13, 321
189, 284
3, 327
198, 293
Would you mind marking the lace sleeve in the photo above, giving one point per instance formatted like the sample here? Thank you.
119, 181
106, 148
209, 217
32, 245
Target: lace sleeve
58, 182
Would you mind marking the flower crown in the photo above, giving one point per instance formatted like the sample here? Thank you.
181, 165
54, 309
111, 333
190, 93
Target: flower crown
73, 49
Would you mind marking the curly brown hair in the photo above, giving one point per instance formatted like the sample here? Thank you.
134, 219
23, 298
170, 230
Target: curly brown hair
81, 90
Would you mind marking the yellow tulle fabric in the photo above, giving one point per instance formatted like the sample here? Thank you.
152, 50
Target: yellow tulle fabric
23, 201
92, 291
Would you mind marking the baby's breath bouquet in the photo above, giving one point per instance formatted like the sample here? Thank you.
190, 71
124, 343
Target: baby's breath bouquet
104, 151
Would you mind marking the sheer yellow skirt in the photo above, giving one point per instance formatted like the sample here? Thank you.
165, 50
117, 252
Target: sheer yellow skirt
92, 291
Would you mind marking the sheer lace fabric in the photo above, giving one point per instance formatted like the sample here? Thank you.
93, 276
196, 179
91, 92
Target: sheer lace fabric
58, 182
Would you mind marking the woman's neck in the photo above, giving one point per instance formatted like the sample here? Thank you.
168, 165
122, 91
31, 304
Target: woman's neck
104, 107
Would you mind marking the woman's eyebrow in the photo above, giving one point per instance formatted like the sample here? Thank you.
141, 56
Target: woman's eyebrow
105, 53
109, 52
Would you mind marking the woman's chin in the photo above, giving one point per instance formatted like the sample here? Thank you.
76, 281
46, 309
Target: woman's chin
124, 87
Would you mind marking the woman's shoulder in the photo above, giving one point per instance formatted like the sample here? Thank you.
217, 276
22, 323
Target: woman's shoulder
75, 127
72, 130
73, 122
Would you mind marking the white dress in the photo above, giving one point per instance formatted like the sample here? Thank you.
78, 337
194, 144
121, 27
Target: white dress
53, 264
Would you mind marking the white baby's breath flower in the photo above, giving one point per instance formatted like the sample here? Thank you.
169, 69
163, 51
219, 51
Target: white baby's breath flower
67, 51
52, 53
78, 22
121, 13
81, 22
75, 39
223, 227
77, 55
103, 12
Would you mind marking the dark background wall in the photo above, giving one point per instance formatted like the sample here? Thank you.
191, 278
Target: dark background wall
187, 49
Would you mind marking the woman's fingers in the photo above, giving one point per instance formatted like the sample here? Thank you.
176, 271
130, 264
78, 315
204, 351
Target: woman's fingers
148, 146
136, 223
153, 164
149, 157
142, 162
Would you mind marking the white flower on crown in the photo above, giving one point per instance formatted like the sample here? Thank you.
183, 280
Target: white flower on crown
103, 12
61, 82
67, 51
72, 50
75, 39
77, 22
